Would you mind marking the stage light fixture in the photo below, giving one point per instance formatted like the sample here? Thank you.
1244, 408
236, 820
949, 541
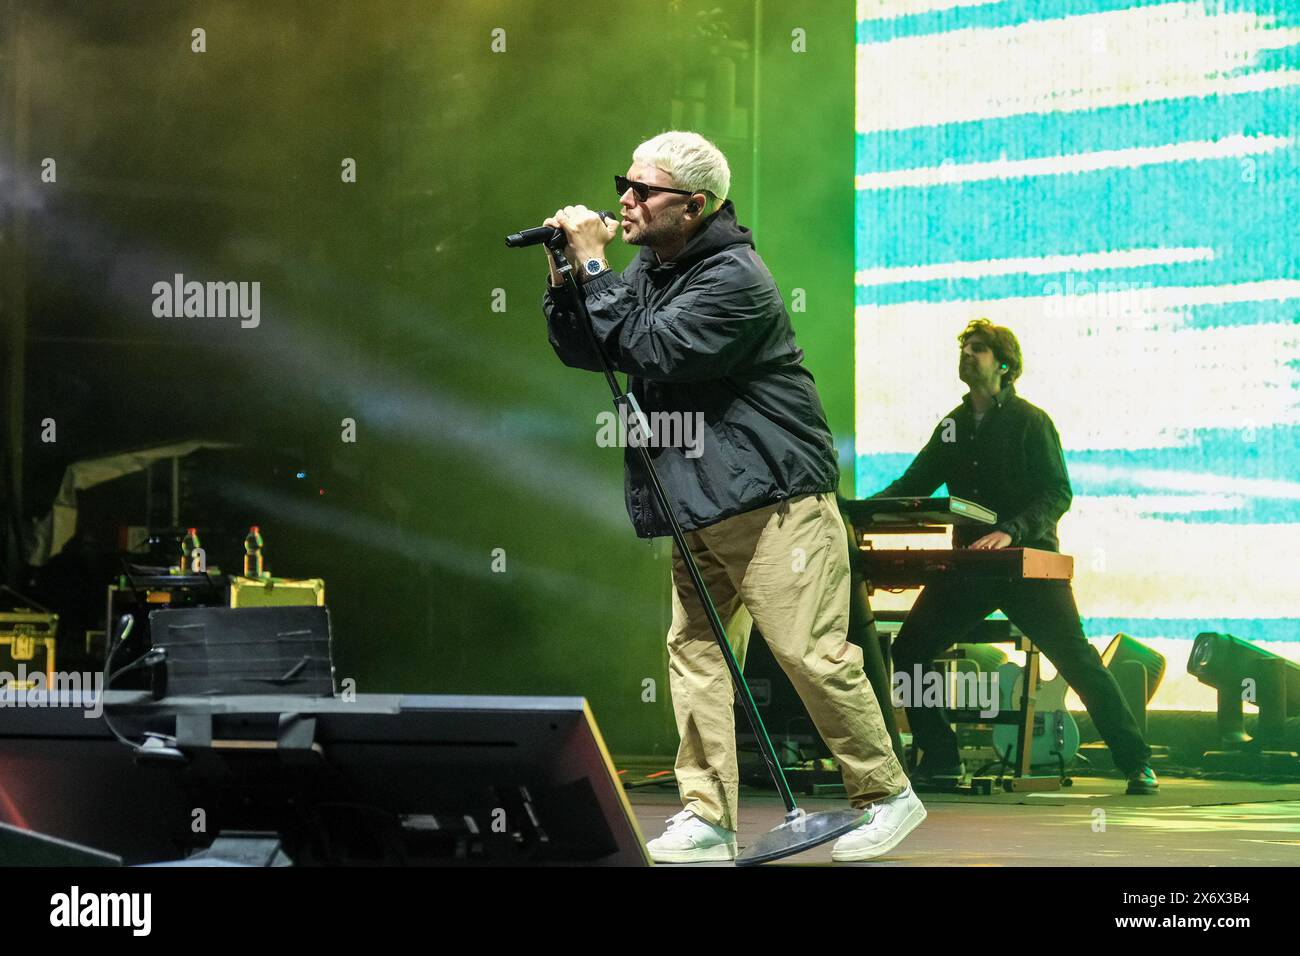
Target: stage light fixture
1243, 673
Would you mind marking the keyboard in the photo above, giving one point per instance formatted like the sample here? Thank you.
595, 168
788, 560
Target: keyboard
875, 515
916, 567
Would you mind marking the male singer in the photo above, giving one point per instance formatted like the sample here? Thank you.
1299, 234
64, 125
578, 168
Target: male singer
698, 324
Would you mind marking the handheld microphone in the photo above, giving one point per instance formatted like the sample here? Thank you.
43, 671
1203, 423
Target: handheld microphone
541, 234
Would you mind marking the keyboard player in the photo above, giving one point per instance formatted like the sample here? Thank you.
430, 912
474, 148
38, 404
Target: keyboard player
999, 451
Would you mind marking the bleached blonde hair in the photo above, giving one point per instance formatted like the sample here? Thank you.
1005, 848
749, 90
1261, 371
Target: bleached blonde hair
691, 160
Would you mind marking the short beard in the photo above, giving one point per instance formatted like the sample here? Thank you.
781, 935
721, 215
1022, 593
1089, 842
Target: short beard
662, 233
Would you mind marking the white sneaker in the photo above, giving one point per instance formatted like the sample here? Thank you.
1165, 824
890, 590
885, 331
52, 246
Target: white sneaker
891, 820
690, 839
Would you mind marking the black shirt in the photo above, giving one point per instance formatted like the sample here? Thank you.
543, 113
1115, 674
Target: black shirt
1011, 464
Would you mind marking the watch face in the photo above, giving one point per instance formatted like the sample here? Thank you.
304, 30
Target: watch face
593, 266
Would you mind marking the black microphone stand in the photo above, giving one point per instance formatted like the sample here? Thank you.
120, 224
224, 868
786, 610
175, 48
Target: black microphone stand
800, 831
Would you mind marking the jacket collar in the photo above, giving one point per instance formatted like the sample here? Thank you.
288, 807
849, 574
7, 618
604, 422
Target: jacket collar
1008, 392
718, 231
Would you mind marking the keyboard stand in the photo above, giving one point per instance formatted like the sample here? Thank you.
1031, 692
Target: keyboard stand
997, 631
1024, 780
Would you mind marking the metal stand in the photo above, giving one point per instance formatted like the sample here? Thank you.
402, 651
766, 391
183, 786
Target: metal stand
1024, 779
800, 831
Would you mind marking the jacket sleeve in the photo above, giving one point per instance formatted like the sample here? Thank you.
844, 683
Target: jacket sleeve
1051, 495
566, 334
923, 475
703, 332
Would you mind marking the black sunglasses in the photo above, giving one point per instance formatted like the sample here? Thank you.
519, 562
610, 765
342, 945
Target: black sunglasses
643, 190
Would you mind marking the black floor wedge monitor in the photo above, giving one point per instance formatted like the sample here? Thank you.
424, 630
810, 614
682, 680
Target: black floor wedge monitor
369, 780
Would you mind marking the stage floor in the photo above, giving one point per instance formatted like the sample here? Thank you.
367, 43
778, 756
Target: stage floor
1189, 823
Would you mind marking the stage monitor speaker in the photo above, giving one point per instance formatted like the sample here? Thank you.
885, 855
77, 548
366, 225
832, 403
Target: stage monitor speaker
378, 779
19, 847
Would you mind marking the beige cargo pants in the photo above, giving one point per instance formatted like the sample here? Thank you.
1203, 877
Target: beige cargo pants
787, 565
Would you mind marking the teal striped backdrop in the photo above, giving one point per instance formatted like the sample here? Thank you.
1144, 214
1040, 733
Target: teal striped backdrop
1118, 182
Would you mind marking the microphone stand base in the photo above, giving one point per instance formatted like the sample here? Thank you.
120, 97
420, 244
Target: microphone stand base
801, 831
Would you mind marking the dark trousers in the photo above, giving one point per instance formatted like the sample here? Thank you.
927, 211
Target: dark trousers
1045, 611
863, 632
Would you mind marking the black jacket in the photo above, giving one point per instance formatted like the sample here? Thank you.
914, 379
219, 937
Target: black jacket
706, 333
1012, 464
